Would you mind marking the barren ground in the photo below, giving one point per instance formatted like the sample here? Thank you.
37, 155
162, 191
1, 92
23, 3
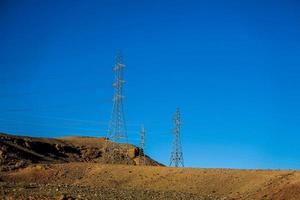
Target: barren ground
75, 168
104, 181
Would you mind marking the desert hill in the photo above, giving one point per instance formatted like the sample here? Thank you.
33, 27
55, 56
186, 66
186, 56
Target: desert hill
20, 151
75, 168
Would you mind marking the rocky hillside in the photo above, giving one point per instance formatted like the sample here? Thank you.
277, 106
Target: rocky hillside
19, 151
75, 168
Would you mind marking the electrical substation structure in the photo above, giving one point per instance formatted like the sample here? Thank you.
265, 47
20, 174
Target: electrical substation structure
176, 159
117, 131
142, 145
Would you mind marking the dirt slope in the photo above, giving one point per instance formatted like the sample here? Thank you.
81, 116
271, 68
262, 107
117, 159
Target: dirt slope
146, 182
74, 168
19, 151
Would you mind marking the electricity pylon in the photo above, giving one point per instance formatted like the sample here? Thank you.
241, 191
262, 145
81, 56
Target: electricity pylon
117, 131
177, 155
142, 145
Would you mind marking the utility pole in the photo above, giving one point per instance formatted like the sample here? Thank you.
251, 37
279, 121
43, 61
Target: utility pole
117, 131
177, 155
142, 145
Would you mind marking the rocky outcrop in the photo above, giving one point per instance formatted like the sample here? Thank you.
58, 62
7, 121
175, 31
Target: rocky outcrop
19, 151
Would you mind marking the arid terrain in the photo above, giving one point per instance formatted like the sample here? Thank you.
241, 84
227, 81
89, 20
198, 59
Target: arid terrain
81, 173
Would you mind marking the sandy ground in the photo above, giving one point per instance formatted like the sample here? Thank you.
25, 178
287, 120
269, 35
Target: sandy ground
104, 181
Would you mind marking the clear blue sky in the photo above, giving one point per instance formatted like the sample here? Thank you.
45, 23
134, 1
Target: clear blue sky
233, 67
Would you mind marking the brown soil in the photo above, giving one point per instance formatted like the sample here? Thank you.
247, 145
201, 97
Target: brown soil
74, 168
107, 181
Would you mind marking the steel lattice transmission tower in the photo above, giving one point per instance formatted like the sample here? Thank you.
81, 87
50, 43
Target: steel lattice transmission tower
177, 155
142, 145
117, 131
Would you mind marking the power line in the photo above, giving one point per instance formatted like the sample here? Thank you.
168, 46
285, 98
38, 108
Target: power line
82, 88
62, 123
133, 124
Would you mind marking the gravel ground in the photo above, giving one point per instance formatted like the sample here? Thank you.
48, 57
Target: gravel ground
35, 191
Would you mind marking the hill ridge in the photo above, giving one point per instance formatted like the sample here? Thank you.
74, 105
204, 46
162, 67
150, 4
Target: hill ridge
20, 151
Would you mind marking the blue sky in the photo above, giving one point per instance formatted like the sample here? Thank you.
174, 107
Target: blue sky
233, 68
